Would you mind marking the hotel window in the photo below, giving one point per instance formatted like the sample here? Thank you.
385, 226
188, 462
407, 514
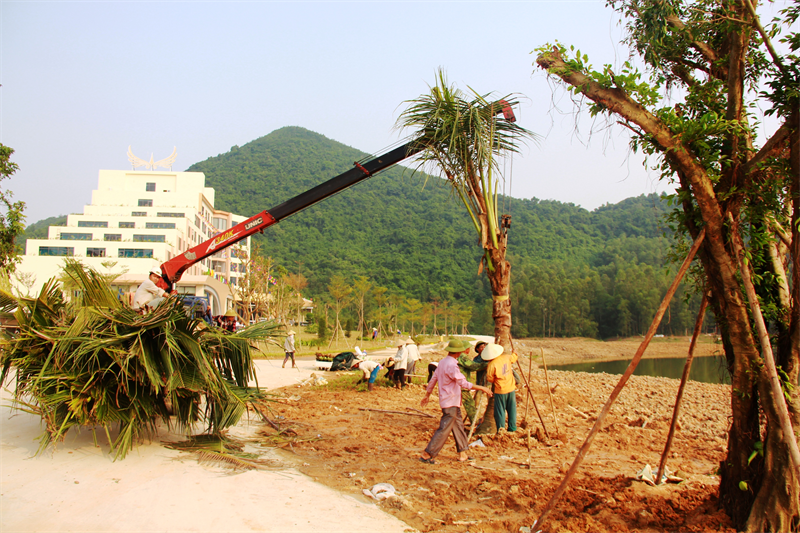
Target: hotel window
76, 236
56, 250
170, 215
220, 223
145, 203
112, 237
127, 224
149, 238
139, 213
136, 252
92, 224
150, 187
160, 225
95, 252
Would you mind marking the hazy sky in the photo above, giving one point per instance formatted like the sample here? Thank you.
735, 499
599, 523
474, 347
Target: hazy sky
81, 81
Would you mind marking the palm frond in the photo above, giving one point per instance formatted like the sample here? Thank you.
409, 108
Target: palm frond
93, 362
461, 137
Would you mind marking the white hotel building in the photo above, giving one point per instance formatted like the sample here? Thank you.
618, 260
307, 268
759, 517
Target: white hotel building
140, 219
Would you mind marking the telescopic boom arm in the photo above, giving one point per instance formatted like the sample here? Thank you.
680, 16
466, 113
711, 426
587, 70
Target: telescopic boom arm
173, 269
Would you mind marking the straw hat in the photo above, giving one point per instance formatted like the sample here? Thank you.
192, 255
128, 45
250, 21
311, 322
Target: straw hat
492, 351
291, 332
230, 313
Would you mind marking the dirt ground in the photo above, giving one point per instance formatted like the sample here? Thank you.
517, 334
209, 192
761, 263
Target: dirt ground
334, 434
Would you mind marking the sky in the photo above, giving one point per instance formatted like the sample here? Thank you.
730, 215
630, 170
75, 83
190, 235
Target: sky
82, 81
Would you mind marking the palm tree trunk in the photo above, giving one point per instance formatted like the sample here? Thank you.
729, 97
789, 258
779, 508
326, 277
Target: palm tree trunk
499, 275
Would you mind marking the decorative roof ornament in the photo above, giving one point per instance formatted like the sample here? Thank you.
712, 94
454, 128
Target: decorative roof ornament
151, 165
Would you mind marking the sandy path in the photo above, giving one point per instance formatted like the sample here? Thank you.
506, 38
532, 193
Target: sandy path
80, 488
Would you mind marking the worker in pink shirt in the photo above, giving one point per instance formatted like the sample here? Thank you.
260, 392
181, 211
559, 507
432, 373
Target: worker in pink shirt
451, 381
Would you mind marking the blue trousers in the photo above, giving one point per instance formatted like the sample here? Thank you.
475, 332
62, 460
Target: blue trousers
374, 374
506, 403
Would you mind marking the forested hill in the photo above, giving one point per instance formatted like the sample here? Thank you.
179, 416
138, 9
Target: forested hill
398, 206
405, 231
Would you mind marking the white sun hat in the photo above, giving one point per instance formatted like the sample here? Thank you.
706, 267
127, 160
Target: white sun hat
492, 351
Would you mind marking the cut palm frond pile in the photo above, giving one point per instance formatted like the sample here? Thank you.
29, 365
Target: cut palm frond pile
286, 434
223, 451
93, 361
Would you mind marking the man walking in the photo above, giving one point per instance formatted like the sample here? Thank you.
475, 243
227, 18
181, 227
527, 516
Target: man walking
450, 381
288, 348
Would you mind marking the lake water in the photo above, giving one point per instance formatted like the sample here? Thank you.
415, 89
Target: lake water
709, 369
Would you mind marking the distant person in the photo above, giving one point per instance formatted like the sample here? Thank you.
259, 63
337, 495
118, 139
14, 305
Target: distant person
499, 372
149, 295
389, 366
288, 348
370, 370
432, 366
374, 333
413, 357
400, 365
228, 321
451, 381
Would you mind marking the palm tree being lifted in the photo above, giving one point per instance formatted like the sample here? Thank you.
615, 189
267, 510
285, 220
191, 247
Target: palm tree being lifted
463, 138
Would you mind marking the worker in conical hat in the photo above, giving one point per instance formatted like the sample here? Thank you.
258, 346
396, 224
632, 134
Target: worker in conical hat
500, 374
229, 321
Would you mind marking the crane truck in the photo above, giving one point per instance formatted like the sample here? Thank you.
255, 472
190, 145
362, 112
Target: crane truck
173, 269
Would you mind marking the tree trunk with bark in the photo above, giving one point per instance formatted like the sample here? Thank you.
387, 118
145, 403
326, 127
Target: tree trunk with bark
761, 490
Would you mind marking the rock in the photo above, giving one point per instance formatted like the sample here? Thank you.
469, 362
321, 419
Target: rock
644, 517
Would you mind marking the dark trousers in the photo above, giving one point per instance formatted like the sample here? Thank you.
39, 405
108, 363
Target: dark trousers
451, 422
506, 403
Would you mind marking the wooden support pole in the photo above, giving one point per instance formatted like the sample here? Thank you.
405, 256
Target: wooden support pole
426, 415
550, 393
530, 395
475, 417
527, 404
622, 381
698, 326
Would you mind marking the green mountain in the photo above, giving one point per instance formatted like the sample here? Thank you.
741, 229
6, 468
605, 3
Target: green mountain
405, 231
38, 230
574, 272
